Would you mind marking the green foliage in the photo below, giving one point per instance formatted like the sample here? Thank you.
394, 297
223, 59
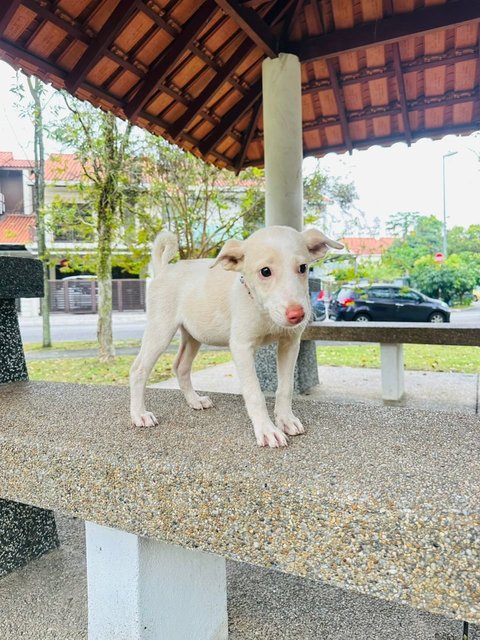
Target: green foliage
329, 202
462, 240
201, 204
449, 280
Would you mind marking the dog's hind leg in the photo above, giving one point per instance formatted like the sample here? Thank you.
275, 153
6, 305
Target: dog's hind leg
183, 367
156, 339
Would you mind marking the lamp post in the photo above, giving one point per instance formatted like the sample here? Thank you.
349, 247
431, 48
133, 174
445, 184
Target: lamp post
445, 155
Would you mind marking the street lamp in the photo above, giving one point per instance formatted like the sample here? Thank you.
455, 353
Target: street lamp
445, 155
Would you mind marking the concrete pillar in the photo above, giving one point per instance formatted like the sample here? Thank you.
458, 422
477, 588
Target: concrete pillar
282, 139
393, 377
26, 532
283, 148
141, 589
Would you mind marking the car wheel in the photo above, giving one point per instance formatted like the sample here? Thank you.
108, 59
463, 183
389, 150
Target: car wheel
437, 317
362, 317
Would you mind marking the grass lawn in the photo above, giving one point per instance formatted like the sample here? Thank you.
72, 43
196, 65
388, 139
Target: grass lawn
90, 370
418, 357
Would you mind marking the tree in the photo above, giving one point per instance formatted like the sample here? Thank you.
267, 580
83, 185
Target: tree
109, 162
464, 240
329, 203
424, 239
448, 280
402, 223
34, 110
201, 204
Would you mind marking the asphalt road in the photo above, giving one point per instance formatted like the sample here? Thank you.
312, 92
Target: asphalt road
128, 325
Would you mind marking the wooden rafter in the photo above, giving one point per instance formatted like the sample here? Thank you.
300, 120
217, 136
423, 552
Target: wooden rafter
229, 119
402, 94
107, 34
173, 52
224, 74
252, 25
248, 137
392, 29
342, 113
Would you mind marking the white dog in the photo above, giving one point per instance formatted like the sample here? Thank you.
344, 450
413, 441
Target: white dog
258, 297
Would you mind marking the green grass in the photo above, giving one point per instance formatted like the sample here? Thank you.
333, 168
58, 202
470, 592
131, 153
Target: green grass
78, 345
418, 357
92, 371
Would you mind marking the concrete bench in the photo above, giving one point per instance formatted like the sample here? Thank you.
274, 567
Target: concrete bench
392, 336
381, 500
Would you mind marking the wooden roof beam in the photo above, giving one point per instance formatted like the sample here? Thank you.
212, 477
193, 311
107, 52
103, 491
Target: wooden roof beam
107, 34
402, 94
171, 55
230, 118
248, 137
391, 29
342, 113
252, 25
272, 17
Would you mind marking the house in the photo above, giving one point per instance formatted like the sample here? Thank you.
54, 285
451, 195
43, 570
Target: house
367, 248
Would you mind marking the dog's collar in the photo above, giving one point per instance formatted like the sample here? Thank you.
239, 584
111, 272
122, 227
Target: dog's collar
242, 280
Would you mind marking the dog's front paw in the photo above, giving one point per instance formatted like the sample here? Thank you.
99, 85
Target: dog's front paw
146, 419
200, 402
289, 424
271, 437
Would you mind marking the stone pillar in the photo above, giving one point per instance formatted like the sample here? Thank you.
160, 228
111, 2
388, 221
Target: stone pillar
25, 532
283, 148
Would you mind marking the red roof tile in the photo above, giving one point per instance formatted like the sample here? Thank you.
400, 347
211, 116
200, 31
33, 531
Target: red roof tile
63, 167
16, 229
7, 161
367, 246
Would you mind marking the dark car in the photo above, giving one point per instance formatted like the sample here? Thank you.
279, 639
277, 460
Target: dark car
317, 299
387, 303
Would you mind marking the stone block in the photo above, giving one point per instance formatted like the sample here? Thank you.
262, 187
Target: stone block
306, 369
20, 277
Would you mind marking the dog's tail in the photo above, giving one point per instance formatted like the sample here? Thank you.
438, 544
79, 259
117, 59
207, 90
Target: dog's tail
165, 246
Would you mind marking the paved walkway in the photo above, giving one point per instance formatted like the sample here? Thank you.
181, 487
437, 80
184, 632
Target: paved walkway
435, 391
47, 600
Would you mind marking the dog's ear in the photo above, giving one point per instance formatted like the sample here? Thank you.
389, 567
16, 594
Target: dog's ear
231, 256
318, 243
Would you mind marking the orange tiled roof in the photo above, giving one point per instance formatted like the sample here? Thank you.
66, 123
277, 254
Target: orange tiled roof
368, 246
62, 167
16, 228
7, 161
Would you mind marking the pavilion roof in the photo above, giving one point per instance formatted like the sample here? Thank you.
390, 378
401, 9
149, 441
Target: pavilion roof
373, 71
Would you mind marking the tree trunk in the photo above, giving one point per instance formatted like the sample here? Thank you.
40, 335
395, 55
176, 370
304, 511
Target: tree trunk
35, 88
106, 350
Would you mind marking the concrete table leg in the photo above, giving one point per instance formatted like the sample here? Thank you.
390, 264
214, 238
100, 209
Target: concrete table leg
306, 370
393, 378
141, 589
26, 532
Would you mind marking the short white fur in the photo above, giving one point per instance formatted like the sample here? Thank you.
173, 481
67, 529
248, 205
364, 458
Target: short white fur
234, 306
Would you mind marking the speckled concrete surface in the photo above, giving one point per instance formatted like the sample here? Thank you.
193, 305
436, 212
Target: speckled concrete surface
395, 332
437, 391
305, 375
47, 600
382, 501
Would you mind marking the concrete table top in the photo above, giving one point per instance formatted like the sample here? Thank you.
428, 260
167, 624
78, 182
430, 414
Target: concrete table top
394, 332
381, 500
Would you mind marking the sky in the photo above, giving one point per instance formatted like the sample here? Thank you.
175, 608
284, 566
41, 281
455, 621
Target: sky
388, 180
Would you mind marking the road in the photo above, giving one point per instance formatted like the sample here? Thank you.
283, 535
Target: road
128, 325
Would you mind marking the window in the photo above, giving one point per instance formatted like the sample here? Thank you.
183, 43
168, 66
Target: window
380, 293
407, 295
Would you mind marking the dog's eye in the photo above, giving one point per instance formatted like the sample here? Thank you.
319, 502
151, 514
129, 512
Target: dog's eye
266, 272
302, 268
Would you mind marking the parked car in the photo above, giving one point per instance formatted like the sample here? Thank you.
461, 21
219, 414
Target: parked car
317, 299
386, 303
